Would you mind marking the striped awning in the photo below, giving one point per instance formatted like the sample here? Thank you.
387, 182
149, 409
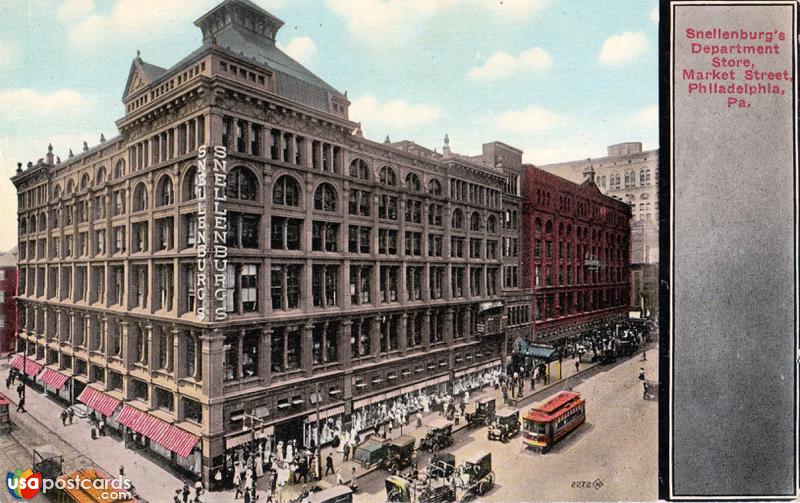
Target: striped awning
164, 434
31, 366
99, 401
53, 378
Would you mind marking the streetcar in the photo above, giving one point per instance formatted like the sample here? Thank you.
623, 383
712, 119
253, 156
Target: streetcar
545, 425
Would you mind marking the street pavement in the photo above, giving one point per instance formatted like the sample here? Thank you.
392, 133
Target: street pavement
620, 429
618, 445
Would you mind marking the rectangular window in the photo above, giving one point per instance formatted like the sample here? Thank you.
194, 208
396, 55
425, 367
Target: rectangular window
414, 282
475, 246
324, 282
436, 279
413, 242
387, 207
324, 236
360, 284
359, 203
388, 285
413, 211
434, 245
285, 286
285, 233
387, 241
249, 285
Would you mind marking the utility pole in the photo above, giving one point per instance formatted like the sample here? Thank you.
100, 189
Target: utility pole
316, 434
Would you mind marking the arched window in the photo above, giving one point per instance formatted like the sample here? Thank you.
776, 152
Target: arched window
434, 187
286, 191
23, 226
457, 221
569, 230
387, 176
119, 169
166, 195
242, 184
325, 198
359, 169
32, 224
538, 225
85, 181
189, 185
140, 198
491, 224
70, 187
412, 182
548, 227
100, 178
56, 191
560, 229
42, 222
475, 222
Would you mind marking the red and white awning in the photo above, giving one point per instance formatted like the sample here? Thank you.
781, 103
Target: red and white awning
53, 378
164, 434
30, 366
99, 401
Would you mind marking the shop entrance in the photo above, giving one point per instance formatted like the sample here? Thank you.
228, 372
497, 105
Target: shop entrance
290, 430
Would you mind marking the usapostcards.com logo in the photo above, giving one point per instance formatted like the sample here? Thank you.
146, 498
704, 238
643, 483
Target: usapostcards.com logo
23, 484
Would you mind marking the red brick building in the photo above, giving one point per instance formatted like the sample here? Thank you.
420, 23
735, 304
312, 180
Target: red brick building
8, 302
576, 254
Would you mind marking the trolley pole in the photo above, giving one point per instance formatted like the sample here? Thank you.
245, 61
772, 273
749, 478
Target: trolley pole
316, 434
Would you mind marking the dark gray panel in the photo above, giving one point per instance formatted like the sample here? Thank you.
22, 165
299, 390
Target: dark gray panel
733, 273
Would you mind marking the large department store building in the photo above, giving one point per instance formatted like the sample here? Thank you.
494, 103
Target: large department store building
337, 272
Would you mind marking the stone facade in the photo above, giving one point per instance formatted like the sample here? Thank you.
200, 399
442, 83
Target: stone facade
355, 270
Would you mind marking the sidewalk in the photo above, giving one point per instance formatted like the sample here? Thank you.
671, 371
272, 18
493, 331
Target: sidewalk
156, 484
150, 479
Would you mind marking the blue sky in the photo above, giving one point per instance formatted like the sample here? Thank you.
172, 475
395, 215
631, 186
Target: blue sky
559, 79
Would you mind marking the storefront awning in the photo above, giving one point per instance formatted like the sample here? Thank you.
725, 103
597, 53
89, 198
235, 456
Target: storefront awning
99, 401
53, 378
538, 351
179, 441
31, 366
245, 437
487, 306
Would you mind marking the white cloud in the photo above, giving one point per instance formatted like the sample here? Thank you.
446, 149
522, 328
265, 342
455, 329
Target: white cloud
654, 14
394, 117
134, 19
622, 49
530, 120
645, 118
382, 23
300, 48
8, 54
72, 10
22, 103
501, 65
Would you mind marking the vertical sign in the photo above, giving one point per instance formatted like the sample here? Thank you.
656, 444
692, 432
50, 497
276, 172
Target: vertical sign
733, 262
212, 230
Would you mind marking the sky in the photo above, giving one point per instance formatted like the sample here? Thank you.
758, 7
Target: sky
559, 79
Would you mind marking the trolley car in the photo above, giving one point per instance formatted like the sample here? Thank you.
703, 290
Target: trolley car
546, 425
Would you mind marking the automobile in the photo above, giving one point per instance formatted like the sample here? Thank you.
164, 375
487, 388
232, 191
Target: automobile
403, 490
393, 454
370, 452
476, 474
439, 435
505, 425
484, 412
335, 494
442, 465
